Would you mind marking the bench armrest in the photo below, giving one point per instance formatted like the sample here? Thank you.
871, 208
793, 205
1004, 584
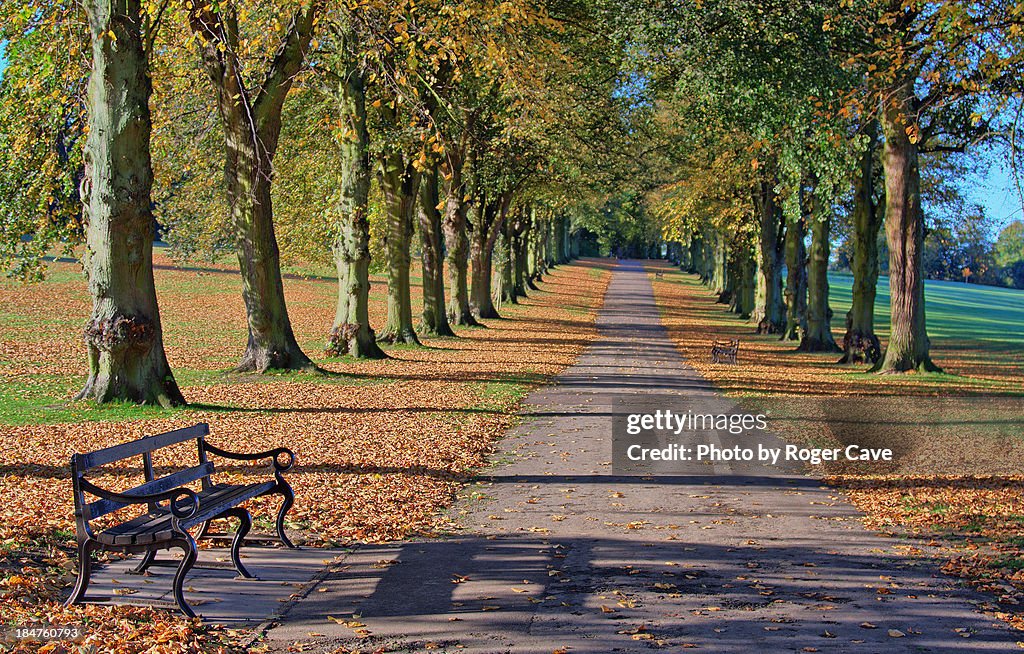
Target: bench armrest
269, 454
179, 512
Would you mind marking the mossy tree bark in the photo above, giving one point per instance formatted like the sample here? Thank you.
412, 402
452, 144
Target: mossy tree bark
562, 239
251, 119
532, 238
744, 283
908, 347
518, 244
434, 321
860, 343
707, 258
457, 242
770, 307
400, 184
485, 233
124, 335
351, 333
818, 335
796, 280
551, 243
720, 269
506, 264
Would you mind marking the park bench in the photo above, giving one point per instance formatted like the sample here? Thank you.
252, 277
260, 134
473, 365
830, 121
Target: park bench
724, 351
173, 509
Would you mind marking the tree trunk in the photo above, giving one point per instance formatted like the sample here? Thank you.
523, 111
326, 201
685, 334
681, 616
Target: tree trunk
796, 280
271, 343
506, 263
563, 239
519, 273
707, 271
480, 278
480, 298
484, 236
533, 238
520, 246
351, 333
457, 242
435, 315
720, 271
124, 335
252, 127
770, 310
860, 344
908, 345
696, 255
743, 289
551, 243
399, 182
818, 336
684, 256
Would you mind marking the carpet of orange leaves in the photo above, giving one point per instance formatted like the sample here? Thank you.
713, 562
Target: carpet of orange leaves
973, 523
382, 445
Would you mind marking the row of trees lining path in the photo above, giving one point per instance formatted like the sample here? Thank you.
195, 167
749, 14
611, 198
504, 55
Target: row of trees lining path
816, 116
507, 137
124, 338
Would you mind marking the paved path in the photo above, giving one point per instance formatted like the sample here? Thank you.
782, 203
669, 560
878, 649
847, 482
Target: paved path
560, 555
215, 593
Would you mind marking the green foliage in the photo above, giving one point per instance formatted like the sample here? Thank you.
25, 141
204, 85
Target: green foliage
188, 185
42, 126
1009, 247
622, 226
308, 178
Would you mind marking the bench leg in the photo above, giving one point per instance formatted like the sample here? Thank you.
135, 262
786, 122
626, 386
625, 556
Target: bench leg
188, 546
147, 560
204, 528
244, 525
85, 550
286, 504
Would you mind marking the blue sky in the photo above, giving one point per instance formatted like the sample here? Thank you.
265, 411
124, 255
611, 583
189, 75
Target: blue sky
997, 192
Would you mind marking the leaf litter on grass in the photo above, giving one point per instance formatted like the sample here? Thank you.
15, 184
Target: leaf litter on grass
375, 461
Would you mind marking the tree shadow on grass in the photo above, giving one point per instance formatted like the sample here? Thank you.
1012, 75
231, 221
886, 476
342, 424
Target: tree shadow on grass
224, 408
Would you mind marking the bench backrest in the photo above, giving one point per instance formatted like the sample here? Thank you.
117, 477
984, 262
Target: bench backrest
82, 463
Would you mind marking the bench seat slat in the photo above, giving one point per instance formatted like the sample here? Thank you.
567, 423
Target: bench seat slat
102, 507
146, 444
148, 528
156, 527
219, 497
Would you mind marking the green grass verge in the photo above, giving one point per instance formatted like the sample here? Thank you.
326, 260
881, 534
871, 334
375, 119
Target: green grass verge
47, 399
993, 317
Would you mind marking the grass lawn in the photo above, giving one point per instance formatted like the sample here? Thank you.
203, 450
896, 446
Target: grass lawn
956, 312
